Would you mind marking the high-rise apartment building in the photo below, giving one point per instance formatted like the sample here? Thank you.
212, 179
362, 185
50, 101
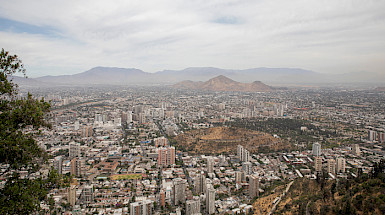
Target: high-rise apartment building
74, 150
179, 191
72, 195
247, 168
318, 164
58, 164
166, 156
210, 199
144, 207
193, 206
86, 131
316, 149
200, 183
239, 177
243, 154
253, 186
341, 165
77, 167
210, 164
331, 166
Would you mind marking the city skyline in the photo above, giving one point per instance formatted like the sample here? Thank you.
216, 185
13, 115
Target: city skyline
67, 38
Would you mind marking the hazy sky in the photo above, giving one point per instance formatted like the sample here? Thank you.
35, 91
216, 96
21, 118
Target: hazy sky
65, 37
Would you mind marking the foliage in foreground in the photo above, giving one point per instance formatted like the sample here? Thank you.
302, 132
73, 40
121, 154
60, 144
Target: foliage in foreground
21, 158
362, 195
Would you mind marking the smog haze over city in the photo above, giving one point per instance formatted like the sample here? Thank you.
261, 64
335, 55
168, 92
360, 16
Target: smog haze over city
192, 107
62, 38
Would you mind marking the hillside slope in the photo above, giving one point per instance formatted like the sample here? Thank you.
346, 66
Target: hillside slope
225, 140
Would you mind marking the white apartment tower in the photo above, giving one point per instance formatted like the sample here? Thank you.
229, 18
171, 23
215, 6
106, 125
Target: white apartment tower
210, 199
243, 154
316, 149
210, 165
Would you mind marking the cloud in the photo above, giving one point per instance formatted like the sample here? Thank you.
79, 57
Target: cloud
54, 37
231, 20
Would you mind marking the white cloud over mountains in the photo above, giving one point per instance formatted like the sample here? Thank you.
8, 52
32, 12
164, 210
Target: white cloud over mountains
64, 37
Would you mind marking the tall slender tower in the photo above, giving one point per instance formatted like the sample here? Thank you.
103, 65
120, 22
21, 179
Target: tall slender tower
210, 199
253, 186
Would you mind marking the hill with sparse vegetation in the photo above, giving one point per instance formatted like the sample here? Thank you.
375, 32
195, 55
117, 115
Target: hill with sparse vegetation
225, 140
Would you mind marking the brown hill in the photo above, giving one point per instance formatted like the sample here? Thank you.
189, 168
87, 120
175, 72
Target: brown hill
223, 83
225, 140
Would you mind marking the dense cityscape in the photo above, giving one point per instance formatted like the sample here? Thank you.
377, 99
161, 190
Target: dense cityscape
227, 107
121, 152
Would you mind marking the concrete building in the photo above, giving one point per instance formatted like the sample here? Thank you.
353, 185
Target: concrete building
58, 164
78, 167
341, 162
253, 186
247, 168
331, 166
86, 131
160, 142
200, 183
72, 195
166, 156
243, 154
179, 188
372, 135
144, 207
87, 195
316, 149
318, 164
210, 165
210, 199
356, 150
240, 177
193, 206
162, 197
74, 150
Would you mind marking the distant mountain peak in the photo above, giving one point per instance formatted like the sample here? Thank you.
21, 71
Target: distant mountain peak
221, 79
223, 83
130, 76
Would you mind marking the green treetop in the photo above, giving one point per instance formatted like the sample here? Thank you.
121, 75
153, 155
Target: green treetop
20, 119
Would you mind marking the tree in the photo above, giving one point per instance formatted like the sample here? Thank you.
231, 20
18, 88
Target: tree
20, 120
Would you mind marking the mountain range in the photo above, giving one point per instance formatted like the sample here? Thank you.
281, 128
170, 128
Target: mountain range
132, 76
223, 83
